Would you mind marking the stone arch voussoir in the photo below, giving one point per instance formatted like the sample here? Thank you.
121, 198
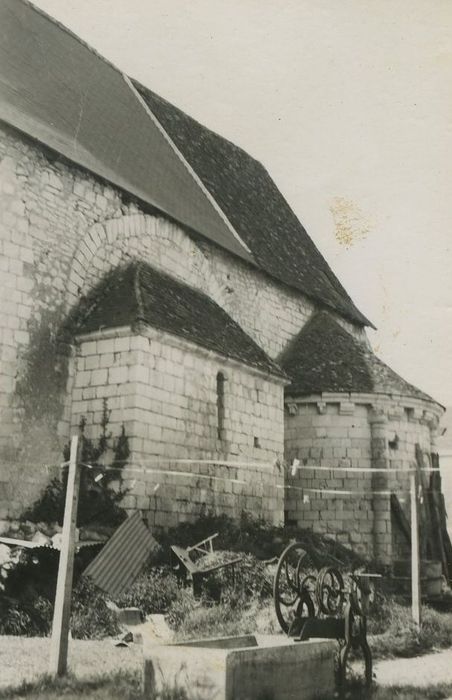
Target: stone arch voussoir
151, 239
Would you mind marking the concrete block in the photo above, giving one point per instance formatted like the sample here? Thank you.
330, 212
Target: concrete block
241, 668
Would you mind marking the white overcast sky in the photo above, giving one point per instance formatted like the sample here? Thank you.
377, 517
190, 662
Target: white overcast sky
348, 104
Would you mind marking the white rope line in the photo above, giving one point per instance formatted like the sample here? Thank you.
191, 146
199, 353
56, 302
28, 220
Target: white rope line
130, 466
293, 467
339, 492
170, 472
390, 470
214, 462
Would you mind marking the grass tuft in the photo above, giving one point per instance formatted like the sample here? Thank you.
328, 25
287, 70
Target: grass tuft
399, 637
123, 685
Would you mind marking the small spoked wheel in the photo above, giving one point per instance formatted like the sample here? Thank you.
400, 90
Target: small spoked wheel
292, 585
330, 591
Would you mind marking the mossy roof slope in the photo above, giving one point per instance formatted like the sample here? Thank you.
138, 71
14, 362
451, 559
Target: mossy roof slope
139, 293
255, 207
324, 357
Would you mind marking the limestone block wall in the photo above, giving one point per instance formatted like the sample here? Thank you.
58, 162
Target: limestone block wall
44, 211
377, 432
163, 390
61, 230
330, 434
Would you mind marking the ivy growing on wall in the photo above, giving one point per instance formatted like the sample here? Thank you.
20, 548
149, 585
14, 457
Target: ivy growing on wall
99, 501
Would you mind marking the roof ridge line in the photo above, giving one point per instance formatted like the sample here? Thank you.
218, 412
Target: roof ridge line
339, 297
187, 165
138, 85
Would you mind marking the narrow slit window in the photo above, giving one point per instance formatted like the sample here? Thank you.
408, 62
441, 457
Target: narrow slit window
220, 405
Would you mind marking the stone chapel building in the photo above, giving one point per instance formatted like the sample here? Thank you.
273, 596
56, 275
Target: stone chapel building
149, 262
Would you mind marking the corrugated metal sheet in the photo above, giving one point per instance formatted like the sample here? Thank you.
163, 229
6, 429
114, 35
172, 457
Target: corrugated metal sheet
56, 89
120, 561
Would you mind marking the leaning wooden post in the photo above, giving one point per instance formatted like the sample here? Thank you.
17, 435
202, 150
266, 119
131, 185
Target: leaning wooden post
62, 609
415, 564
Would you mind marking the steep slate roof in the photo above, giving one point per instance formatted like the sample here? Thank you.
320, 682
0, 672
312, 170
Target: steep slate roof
256, 208
138, 292
326, 358
59, 91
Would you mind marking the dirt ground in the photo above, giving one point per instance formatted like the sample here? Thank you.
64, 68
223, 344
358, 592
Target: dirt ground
27, 658
421, 671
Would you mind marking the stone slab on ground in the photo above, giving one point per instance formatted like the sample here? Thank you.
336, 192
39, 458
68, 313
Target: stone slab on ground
154, 630
130, 616
226, 670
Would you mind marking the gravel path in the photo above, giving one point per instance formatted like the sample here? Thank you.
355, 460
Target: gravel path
420, 671
26, 658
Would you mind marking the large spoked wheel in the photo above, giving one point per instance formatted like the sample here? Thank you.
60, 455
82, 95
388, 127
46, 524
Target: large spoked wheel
291, 592
330, 591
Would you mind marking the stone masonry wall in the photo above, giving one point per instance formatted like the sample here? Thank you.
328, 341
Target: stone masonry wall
349, 431
330, 435
163, 390
60, 231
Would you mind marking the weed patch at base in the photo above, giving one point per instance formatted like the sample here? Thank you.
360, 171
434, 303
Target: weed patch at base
121, 686
398, 637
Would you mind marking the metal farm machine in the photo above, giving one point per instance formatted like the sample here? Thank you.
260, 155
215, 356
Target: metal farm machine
315, 601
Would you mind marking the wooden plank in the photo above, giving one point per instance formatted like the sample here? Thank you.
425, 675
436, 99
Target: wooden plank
442, 518
427, 541
223, 565
205, 546
434, 493
62, 609
415, 562
184, 558
400, 517
23, 543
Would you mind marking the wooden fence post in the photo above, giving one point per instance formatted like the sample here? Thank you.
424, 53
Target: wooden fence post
62, 609
415, 563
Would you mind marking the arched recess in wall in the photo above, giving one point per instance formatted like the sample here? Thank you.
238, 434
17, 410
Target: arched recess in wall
151, 239
220, 380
